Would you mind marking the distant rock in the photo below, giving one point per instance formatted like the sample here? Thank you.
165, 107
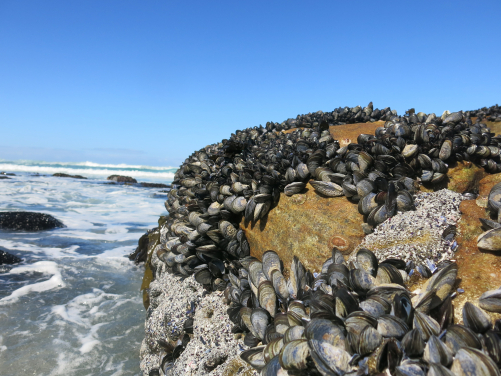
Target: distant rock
7, 173
7, 258
4, 177
154, 185
60, 175
28, 221
121, 179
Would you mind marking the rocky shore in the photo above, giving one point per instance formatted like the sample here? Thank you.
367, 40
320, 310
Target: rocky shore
429, 175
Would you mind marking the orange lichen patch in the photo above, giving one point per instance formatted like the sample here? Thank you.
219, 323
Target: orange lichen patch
487, 183
305, 227
478, 271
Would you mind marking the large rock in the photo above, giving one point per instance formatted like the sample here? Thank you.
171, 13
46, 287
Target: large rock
121, 179
7, 258
28, 221
61, 175
308, 226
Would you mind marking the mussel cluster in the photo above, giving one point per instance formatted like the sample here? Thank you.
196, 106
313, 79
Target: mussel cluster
358, 319
242, 178
490, 240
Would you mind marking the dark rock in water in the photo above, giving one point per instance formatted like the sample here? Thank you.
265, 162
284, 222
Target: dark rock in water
4, 177
153, 185
60, 175
7, 258
121, 179
28, 221
7, 173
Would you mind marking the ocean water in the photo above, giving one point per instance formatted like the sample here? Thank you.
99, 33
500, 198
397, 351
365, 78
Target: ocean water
73, 306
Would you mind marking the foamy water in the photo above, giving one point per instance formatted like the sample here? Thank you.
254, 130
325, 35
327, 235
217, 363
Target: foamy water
73, 306
91, 170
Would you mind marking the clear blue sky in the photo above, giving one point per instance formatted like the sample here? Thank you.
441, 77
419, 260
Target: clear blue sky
149, 82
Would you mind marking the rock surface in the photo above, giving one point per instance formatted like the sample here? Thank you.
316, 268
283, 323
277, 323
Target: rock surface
61, 175
479, 271
28, 221
7, 258
306, 225
154, 185
121, 179
213, 349
309, 225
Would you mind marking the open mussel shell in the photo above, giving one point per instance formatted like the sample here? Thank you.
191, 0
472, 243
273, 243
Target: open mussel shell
402, 307
475, 318
469, 361
388, 356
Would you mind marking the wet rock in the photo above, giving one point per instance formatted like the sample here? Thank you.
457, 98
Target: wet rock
308, 226
7, 258
121, 179
28, 221
154, 185
61, 175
